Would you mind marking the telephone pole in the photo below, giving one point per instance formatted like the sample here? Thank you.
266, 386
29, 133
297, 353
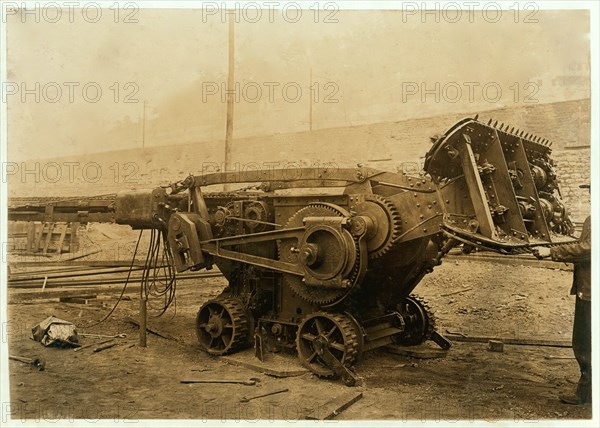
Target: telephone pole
230, 95
144, 127
310, 96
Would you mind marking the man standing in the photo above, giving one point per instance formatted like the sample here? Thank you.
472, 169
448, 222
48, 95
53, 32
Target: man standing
579, 253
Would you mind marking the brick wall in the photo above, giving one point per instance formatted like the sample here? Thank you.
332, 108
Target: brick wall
573, 168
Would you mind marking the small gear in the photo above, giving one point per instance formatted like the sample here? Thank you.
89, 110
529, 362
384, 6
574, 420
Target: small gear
387, 222
419, 321
314, 294
256, 214
340, 334
220, 216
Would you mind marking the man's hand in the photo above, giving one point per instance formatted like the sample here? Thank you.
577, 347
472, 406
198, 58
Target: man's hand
541, 252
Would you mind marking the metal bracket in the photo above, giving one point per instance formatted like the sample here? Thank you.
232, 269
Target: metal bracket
334, 364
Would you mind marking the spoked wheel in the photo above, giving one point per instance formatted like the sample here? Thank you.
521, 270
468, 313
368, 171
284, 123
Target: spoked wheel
322, 332
222, 326
419, 323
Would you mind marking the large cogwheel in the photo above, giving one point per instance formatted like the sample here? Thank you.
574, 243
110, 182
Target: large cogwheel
386, 220
315, 294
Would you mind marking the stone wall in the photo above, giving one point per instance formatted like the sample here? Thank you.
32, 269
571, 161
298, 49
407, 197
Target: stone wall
391, 146
573, 166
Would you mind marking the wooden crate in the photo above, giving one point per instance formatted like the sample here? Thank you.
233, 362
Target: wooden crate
46, 237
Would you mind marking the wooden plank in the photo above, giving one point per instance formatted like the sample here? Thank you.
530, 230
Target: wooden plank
458, 337
30, 236
334, 407
80, 256
62, 294
48, 238
39, 231
82, 300
421, 352
74, 242
63, 232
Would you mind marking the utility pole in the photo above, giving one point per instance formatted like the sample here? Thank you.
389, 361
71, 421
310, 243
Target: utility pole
310, 96
230, 96
144, 127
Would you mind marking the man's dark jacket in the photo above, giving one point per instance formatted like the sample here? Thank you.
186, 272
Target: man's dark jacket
580, 254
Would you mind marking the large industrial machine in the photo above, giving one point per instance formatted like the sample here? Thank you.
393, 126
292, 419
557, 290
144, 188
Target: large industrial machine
323, 261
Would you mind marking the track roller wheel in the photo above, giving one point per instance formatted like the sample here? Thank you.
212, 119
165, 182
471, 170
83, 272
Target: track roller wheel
222, 326
324, 335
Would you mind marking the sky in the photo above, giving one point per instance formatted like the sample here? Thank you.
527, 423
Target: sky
77, 87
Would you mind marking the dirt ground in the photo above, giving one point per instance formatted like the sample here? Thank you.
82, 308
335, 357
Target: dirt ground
469, 383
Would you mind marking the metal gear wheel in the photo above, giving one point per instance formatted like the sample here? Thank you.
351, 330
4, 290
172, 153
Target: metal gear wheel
338, 332
386, 218
419, 321
256, 214
222, 326
313, 294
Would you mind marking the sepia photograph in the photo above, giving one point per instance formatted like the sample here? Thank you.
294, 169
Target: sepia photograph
288, 213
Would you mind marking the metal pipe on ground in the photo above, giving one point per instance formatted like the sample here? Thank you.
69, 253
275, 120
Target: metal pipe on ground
60, 262
71, 270
78, 274
106, 281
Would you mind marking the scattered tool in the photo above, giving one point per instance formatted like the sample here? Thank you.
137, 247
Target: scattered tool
451, 293
92, 344
279, 391
82, 299
150, 330
103, 336
105, 346
334, 407
250, 382
36, 362
457, 333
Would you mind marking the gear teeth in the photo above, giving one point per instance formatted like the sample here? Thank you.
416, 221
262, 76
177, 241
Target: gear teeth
327, 296
350, 333
239, 320
430, 321
394, 219
431, 318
